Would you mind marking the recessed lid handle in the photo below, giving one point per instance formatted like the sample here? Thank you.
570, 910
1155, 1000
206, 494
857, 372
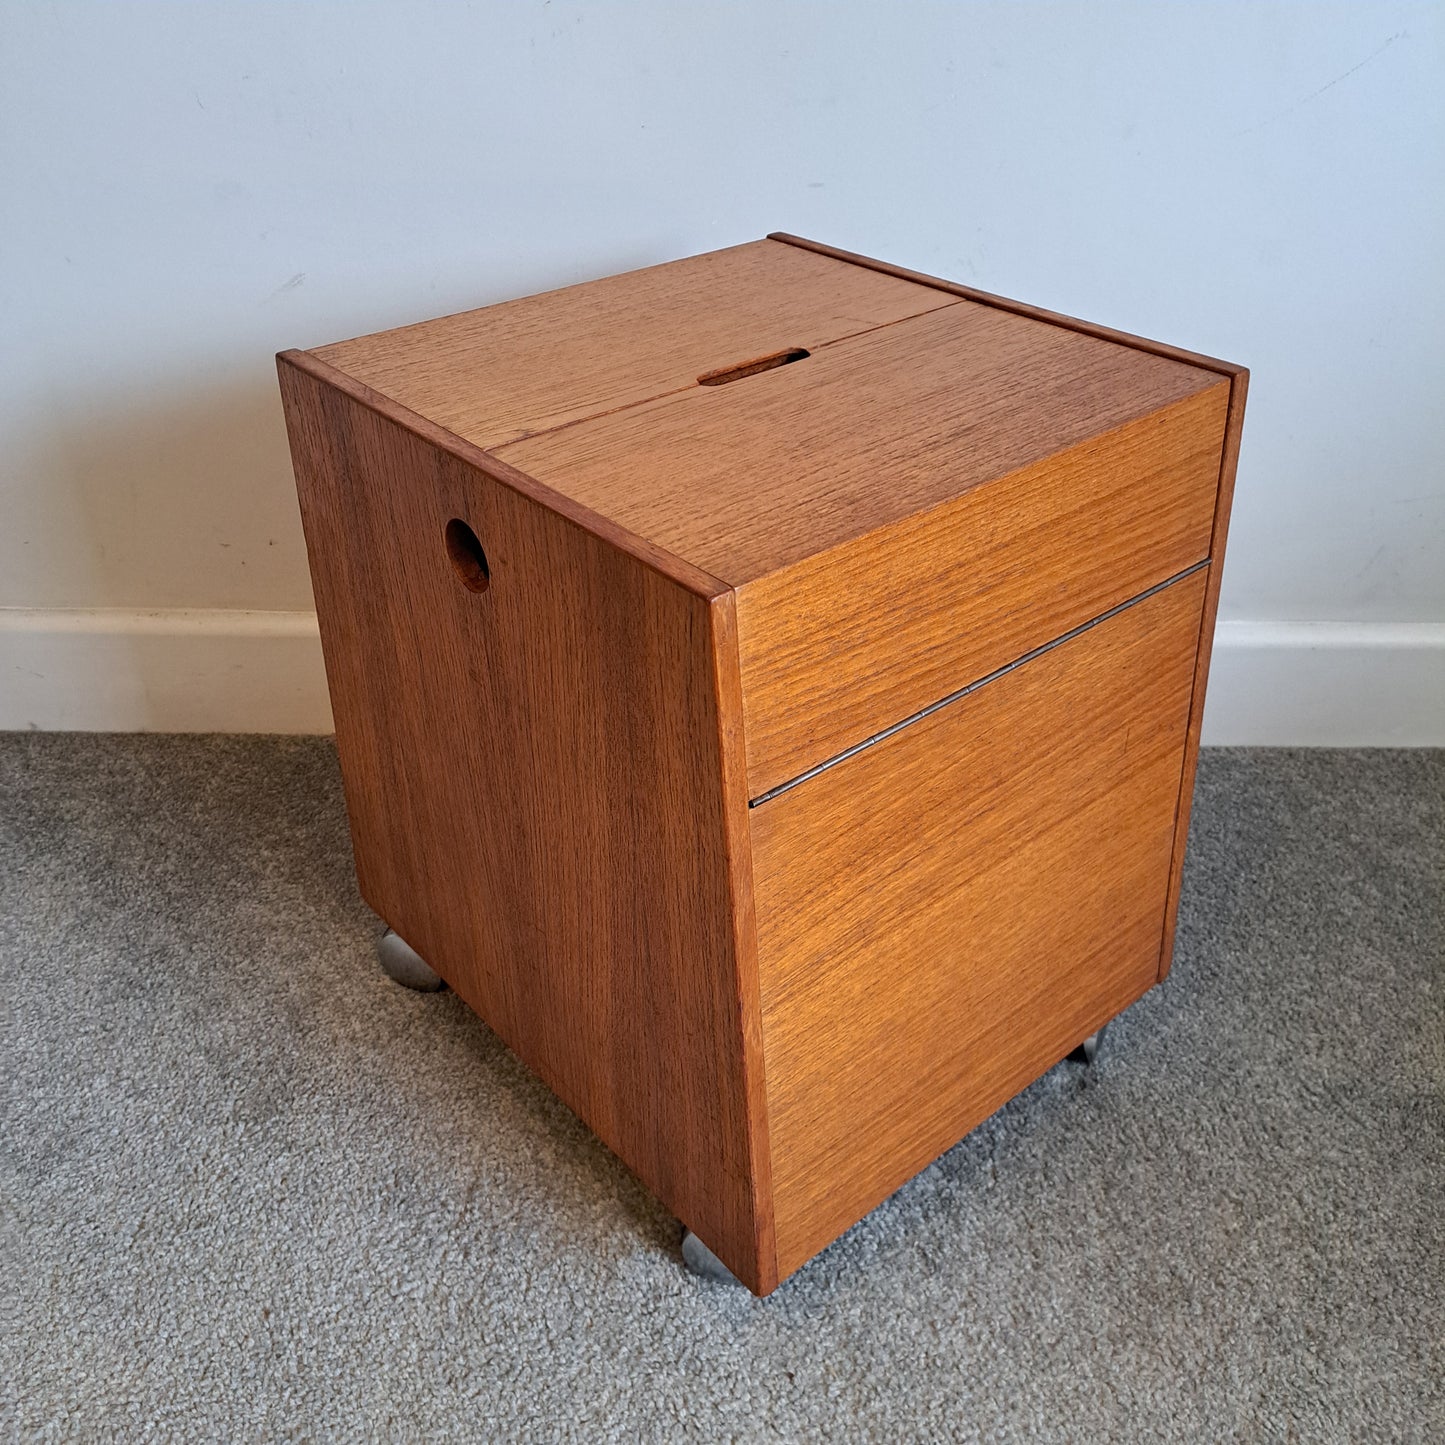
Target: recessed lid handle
751, 368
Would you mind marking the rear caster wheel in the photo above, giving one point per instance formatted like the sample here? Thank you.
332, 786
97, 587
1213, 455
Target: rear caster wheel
701, 1261
1088, 1051
402, 963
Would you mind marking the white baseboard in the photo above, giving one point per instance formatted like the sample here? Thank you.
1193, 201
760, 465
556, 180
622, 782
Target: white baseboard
1326, 685
1272, 684
116, 670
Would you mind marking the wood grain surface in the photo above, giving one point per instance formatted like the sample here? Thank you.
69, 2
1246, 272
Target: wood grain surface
1239, 387
546, 799
747, 479
942, 918
506, 371
1238, 377
1007, 303
847, 643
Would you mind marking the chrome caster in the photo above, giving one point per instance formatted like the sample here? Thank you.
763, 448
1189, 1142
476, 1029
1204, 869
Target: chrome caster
402, 963
1088, 1051
701, 1261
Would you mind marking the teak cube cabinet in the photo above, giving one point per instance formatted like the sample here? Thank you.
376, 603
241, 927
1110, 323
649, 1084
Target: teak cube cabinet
767, 689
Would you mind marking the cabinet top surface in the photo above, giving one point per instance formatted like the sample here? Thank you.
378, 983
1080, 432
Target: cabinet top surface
875, 398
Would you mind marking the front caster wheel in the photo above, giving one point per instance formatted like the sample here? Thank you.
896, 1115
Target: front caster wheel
701, 1261
1088, 1051
401, 962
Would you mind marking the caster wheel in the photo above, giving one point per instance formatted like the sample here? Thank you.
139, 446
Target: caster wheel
1088, 1051
401, 962
701, 1261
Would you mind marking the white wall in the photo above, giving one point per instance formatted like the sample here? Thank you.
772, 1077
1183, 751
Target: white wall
189, 188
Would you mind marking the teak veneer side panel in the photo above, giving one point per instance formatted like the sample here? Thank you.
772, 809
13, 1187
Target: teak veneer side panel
942, 918
535, 779
739, 844
1239, 389
756, 476
845, 644
525, 366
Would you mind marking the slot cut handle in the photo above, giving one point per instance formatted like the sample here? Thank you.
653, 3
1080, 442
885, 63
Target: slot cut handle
752, 368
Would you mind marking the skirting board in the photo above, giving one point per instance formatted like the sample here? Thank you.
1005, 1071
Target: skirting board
1272, 684
1326, 685
175, 671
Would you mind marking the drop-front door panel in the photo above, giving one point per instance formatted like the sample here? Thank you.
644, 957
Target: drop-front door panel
943, 916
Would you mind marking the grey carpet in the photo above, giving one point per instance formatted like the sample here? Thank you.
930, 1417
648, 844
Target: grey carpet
253, 1190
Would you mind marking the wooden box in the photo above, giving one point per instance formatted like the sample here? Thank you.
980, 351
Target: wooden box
767, 689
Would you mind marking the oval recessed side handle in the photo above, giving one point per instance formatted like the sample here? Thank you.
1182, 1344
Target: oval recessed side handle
465, 550
753, 367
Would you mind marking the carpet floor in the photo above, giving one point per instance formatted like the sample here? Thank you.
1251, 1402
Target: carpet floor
253, 1190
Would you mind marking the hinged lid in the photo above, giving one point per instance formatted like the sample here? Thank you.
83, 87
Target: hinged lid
507, 371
